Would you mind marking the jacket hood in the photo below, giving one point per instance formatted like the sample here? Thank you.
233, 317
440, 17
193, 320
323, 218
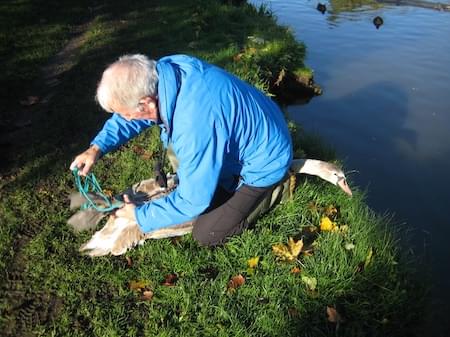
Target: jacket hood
168, 87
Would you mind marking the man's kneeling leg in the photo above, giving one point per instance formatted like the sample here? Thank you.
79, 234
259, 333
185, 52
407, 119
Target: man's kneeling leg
214, 227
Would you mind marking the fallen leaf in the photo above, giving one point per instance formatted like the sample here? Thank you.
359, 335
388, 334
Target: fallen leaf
369, 258
349, 246
147, 155
292, 185
170, 280
280, 78
295, 270
289, 252
312, 206
359, 267
326, 225
30, 100
138, 285
253, 262
331, 211
333, 315
343, 229
175, 240
129, 261
147, 295
311, 282
293, 312
108, 193
238, 57
138, 149
295, 247
235, 282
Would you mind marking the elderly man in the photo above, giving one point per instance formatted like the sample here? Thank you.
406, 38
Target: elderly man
231, 141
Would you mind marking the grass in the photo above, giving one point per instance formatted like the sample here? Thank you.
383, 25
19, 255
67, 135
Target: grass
48, 289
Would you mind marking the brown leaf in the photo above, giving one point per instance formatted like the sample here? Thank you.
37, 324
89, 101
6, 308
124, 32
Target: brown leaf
108, 193
147, 295
236, 282
238, 57
331, 211
129, 261
138, 149
296, 270
147, 155
359, 267
30, 100
333, 315
293, 312
170, 280
312, 206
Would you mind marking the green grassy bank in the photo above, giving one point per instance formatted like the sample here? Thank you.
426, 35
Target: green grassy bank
172, 287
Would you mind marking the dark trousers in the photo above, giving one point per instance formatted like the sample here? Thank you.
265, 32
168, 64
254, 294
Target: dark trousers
227, 215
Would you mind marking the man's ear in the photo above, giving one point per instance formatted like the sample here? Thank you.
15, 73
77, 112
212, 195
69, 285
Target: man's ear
150, 107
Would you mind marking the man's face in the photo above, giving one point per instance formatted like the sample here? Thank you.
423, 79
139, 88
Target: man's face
146, 109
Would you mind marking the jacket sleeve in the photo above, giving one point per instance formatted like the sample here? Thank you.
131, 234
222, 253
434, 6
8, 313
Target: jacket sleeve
200, 153
117, 131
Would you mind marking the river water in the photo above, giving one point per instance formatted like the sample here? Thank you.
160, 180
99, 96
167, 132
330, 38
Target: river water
386, 110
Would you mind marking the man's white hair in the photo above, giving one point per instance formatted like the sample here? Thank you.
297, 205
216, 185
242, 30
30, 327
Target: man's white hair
125, 82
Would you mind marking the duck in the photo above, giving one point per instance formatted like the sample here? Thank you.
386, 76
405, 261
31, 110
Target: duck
321, 8
378, 21
120, 234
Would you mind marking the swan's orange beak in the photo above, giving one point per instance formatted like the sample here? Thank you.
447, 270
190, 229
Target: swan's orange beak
342, 183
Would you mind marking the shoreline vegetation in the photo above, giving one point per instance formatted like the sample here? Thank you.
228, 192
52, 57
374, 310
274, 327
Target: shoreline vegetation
352, 277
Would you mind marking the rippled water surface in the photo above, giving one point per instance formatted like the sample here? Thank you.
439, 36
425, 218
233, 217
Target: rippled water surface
386, 109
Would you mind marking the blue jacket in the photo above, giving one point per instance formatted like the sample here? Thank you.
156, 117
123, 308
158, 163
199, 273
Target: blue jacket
218, 126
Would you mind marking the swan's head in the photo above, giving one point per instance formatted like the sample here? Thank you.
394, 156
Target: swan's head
333, 174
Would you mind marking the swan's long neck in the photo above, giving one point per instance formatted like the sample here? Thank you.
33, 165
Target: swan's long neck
307, 166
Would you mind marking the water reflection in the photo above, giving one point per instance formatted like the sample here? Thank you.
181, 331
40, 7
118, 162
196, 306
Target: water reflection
386, 109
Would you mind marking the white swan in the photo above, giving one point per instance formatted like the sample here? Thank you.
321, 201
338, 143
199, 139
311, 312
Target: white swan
120, 234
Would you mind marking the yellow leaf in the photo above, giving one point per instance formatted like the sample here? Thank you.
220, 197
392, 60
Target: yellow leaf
138, 285
253, 262
289, 252
295, 247
369, 258
326, 224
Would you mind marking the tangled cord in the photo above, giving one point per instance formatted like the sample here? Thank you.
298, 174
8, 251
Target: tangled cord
91, 185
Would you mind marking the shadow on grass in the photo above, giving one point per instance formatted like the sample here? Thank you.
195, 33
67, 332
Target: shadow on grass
64, 126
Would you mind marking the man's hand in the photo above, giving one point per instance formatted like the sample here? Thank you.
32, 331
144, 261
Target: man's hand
127, 210
85, 160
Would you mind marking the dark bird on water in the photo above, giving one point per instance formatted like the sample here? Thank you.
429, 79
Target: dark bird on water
321, 8
378, 21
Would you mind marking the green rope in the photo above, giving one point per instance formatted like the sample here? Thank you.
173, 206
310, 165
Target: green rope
90, 184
